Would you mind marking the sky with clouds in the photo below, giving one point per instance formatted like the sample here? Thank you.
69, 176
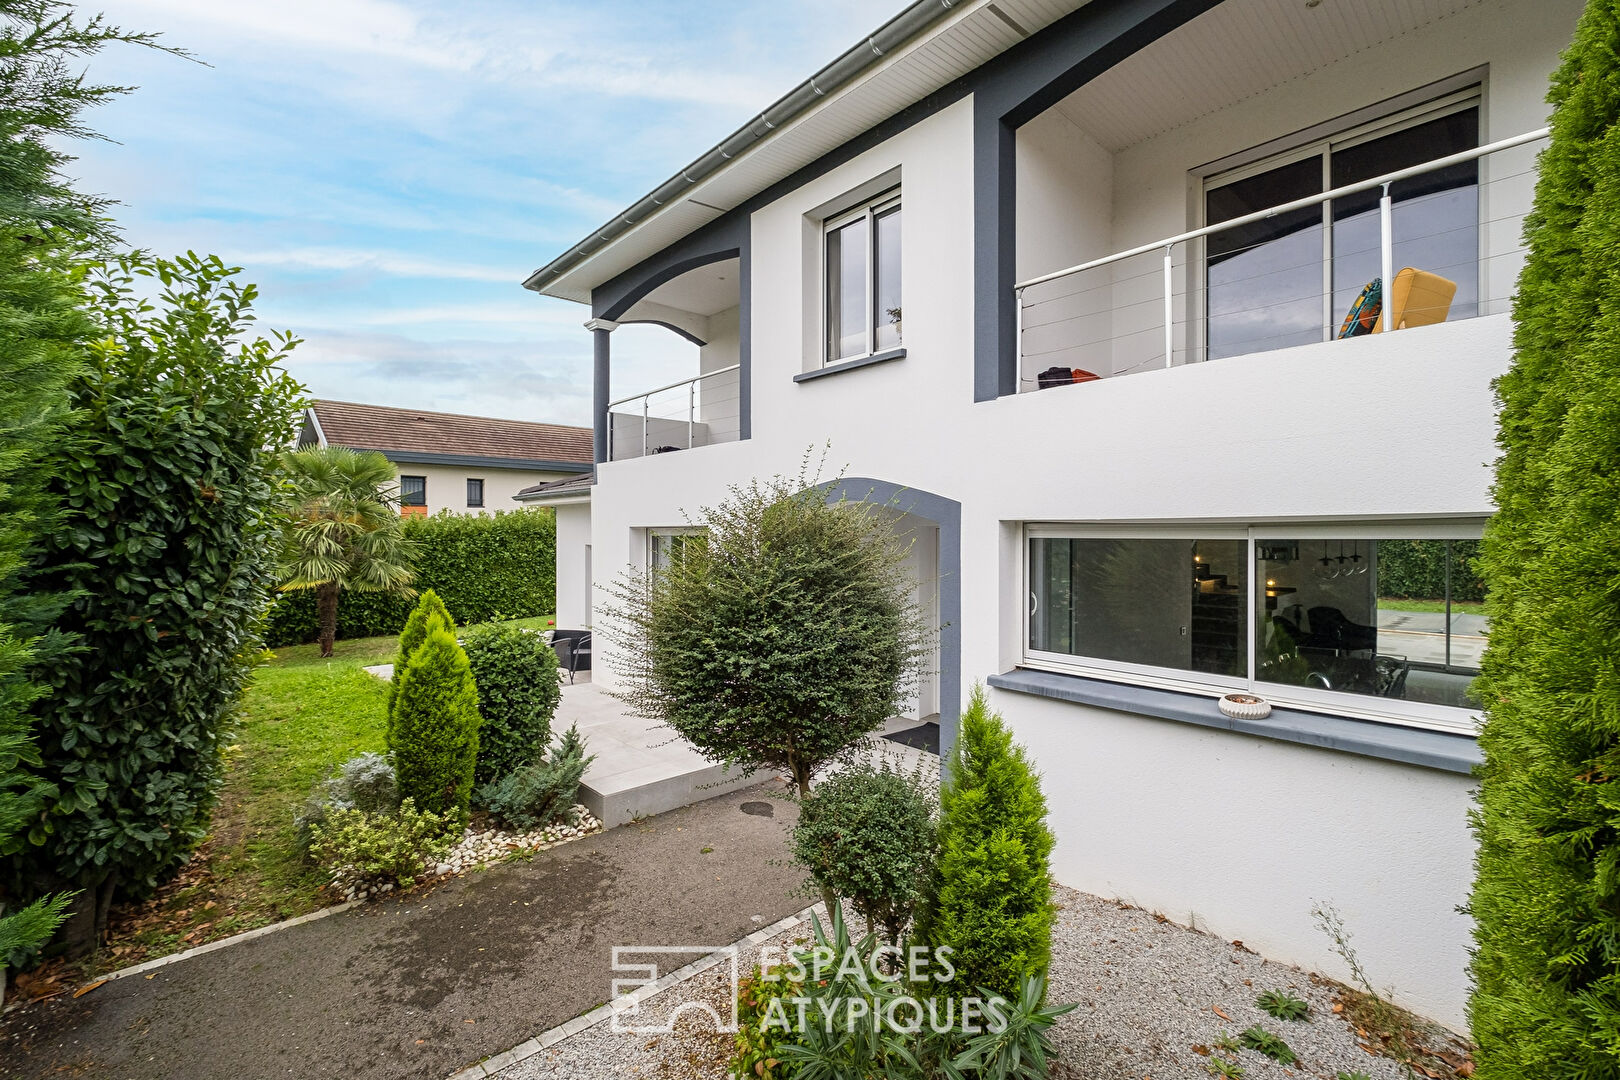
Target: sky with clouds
388, 171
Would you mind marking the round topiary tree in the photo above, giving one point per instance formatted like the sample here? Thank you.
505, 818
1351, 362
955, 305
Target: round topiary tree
866, 834
991, 896
518, 692
434, 733
1546, 899
782, 640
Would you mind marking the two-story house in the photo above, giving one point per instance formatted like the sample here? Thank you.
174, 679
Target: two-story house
448, 461
1171, 326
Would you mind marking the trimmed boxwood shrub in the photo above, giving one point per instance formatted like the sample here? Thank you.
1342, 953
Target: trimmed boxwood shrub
485, 567
866, 834
518, 691
1546, 899
433, 732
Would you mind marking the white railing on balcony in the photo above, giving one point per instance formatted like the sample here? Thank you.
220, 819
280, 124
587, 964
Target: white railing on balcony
699, 411
1150, 306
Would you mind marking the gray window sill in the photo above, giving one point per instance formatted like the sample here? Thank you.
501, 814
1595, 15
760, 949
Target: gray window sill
1391, 742
851, 365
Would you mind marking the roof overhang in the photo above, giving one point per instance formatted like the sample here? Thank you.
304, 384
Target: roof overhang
416, 457
569, 498
926, 47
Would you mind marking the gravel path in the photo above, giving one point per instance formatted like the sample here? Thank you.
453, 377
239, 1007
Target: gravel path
1147, 993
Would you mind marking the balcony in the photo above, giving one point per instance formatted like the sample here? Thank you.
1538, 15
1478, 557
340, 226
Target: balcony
699, 411
1246, 182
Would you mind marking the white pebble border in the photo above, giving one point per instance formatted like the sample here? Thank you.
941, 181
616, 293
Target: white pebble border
478, 848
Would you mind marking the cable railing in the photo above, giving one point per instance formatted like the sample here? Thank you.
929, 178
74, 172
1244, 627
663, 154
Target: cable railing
699, 411
1184, 299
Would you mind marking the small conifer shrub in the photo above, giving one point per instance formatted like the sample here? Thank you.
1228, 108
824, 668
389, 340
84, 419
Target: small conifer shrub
434, 729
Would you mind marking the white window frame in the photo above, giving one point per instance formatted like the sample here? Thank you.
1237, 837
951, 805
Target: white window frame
654, 535
1388, 710
871, 210
1324, 144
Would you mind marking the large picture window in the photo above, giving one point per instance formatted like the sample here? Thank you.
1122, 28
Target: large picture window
1291, 278
862, 260
1388, 622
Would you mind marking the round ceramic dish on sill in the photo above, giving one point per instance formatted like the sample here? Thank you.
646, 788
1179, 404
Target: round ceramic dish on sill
1245, 706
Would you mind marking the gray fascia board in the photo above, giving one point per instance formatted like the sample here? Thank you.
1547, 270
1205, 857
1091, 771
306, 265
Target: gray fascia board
416, 457
1424, 748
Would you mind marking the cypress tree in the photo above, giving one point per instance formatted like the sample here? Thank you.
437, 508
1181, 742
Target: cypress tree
429, 609
991, 897
1546, 900
434, 733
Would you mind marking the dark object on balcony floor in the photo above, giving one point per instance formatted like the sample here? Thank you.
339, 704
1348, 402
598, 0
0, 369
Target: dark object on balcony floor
1062, 376
921, 737
573, 651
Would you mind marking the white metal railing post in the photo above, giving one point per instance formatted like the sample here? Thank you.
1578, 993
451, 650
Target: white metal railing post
1018, 329
691, 410
1386, 247
1169, 302
645, 400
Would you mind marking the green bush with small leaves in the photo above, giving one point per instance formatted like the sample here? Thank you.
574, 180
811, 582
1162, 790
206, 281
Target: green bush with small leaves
1272, 1046
518, 693
540, 793
867, 834
1282, 1005
486, 567
433, 728
366, 782
366, 848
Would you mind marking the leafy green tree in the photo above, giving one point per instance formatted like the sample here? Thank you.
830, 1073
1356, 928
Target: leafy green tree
1546, 900
168, 553
343, 531
47, 232
991, 896
784, 640
518, 693
434, 733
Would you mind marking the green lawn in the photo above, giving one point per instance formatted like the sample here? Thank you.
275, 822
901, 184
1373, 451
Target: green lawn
301, 717
1466, 607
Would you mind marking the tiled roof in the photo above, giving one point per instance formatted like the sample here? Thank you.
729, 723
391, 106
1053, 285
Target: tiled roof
416, 431
568, 485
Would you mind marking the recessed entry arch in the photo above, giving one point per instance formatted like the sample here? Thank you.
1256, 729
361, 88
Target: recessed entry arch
946, 516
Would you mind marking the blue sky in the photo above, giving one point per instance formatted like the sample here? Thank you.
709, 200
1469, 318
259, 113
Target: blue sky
389, 171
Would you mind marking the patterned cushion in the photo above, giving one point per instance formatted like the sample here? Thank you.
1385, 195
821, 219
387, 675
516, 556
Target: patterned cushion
1363, 314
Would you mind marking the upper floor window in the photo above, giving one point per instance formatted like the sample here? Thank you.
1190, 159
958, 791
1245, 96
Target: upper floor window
1290, 279
413, 491
862, 287
1378, 620
475, 492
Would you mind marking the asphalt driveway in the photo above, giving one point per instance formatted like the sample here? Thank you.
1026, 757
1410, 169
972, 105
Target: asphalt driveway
421, 985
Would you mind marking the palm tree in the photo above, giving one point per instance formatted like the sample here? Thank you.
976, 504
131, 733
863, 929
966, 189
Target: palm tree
343, 531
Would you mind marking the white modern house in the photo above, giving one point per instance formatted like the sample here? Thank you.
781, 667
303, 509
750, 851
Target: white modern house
1068, 284
449, 461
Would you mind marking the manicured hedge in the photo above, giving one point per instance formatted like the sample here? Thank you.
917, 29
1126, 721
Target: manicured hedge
484, 567
1416, 569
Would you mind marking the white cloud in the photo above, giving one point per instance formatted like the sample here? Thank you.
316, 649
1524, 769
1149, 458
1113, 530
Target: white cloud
397, 264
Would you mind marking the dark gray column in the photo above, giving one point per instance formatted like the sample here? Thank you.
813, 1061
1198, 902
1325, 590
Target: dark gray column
602, 351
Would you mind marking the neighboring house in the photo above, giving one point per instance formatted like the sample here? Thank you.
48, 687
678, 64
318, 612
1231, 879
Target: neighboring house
445, 461
1141, 468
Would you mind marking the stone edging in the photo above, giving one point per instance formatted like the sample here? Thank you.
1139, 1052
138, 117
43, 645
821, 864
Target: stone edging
492, 1065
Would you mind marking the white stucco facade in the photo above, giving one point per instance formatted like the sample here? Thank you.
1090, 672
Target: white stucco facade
1237, 834
447, 485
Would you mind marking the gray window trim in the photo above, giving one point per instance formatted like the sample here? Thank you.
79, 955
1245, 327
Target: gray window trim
851, 365
1443, 751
